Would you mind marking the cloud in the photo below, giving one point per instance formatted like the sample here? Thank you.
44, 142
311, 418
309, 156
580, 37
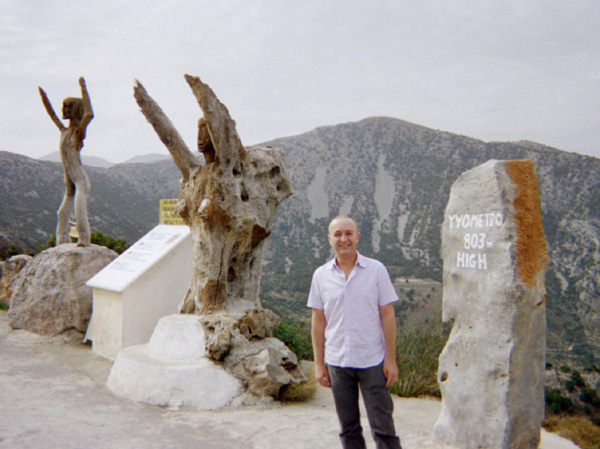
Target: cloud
504, 70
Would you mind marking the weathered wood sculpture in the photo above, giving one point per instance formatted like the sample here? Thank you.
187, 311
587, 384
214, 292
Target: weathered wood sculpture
77, 184
229, 203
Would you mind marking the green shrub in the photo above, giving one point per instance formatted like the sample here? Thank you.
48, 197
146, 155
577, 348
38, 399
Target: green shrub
556, 402
417, 357
577, 380
588, 396
97, 238
296, 337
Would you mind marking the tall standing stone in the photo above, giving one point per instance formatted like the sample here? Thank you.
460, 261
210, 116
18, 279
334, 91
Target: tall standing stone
491, 372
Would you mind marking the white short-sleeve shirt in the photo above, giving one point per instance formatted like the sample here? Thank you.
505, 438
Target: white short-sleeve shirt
353, 334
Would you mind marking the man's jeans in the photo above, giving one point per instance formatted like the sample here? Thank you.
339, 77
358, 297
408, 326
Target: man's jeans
345, 383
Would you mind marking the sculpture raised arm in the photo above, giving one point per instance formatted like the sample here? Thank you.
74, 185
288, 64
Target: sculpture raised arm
88, 113
183, 157
50, 110
221, 126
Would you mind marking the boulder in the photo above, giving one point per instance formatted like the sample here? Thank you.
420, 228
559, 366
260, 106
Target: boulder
247, 350
50, 296
491, 372
265, 367
10, 270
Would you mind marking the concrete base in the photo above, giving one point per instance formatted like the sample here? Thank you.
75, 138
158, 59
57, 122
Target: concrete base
171, 370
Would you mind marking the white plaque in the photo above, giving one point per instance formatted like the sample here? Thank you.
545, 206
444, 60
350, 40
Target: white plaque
139, 258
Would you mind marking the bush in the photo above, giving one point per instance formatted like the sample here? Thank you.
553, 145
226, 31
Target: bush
577, 379
556, 402
588, 396
301, 392
417, 357
117, 245
296, 337
97, 238
579, 430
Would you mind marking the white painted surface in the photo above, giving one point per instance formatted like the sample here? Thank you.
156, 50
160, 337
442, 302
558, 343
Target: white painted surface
171, 370
139, 258
125, 312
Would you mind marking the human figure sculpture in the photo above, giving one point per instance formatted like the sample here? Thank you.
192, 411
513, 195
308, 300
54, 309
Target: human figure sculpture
229, 204
77, 184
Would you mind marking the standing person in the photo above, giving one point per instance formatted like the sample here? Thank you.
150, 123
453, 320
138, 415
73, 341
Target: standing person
354, 337
77, 184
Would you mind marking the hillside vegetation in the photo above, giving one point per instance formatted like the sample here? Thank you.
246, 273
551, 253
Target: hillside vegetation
394, 178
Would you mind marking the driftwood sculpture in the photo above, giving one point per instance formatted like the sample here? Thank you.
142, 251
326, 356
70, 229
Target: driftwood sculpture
77, 184
229, 203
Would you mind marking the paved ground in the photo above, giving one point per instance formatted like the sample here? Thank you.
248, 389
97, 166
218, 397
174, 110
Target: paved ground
52, 396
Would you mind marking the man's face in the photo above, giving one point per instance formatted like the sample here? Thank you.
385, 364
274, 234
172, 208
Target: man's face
343, 236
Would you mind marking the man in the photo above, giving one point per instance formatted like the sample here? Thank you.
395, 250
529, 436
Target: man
354, 337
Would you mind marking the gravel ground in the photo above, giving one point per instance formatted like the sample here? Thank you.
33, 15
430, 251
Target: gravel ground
53, 395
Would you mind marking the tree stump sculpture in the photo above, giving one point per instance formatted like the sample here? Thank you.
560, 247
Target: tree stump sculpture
229, 203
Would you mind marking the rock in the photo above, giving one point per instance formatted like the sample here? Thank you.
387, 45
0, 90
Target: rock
491, 372
10, 270
50, 296
264, 366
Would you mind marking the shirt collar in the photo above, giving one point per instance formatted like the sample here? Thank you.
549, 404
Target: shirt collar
361, 261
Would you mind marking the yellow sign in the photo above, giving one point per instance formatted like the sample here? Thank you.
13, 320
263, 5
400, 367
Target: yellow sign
167, 214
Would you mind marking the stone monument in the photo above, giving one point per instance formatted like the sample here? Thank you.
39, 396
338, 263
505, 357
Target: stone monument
77, 184
491, 371
229, 204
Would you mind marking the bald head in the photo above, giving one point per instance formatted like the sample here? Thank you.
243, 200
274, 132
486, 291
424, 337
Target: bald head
345, 219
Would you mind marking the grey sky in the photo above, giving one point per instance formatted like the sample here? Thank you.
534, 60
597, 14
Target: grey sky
494, 70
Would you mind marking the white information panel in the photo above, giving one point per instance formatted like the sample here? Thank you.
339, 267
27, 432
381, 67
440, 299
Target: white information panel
139, 258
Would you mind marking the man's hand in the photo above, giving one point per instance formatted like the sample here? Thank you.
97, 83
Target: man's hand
322, 375
390, 370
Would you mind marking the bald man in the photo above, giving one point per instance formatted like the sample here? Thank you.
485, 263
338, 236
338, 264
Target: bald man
354, 337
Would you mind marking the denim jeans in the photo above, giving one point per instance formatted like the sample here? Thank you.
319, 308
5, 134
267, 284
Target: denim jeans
345, 384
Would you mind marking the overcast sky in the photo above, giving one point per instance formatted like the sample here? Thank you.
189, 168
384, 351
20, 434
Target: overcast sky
490, 69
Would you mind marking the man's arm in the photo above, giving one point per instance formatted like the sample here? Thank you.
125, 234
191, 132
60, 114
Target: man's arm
88, 113
388, 323
50, 110
319, 322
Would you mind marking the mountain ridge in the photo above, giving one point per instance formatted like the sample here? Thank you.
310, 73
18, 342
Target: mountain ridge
392, 176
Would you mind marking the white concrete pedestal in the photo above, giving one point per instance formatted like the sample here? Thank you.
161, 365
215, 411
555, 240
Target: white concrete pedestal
171, 370
145, 283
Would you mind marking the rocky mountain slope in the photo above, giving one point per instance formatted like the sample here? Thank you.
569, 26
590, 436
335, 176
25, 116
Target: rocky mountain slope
394, 177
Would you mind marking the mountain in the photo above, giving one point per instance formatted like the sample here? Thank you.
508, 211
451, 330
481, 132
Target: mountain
147, 158
88, 161
393, 177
